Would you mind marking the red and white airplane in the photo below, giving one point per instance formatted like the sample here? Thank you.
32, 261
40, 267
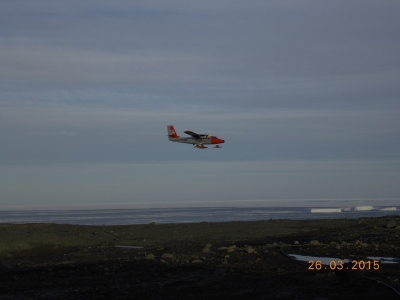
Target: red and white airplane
196, 139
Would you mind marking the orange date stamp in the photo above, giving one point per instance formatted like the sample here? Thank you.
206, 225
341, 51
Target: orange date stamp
340, 265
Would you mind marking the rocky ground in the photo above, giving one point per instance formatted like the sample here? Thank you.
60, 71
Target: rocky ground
232, 260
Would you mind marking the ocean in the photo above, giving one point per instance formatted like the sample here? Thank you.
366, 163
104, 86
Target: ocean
189, 215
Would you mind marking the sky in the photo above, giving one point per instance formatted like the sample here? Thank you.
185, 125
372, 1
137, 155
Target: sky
306, 95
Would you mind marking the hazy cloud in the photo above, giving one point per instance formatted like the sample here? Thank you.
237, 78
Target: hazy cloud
97, 82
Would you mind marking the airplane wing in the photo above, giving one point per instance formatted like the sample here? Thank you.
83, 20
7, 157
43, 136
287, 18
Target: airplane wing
194, 134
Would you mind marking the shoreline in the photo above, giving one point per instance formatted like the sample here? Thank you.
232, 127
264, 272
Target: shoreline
191, 215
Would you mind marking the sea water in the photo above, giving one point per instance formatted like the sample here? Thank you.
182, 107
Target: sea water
187, 215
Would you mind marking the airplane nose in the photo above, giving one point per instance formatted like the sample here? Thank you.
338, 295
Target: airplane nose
215, 140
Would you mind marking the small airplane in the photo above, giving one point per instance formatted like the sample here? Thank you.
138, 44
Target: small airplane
196, 139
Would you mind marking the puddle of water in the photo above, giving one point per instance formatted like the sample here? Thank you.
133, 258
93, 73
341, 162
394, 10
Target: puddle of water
385, 260
130, 247
326, 261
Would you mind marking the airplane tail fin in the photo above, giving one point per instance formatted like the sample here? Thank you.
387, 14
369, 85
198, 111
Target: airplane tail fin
172, 132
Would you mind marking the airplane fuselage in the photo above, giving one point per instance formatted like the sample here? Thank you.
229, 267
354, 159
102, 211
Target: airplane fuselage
194, 141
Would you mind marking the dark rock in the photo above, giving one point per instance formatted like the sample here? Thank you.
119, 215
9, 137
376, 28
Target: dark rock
391, 224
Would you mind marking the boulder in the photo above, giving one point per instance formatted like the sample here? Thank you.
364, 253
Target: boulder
391, 224
167, 255
231, 248
250, 249
150, 256
207, 248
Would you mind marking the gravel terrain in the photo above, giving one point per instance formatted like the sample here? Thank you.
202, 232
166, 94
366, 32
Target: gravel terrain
230, 260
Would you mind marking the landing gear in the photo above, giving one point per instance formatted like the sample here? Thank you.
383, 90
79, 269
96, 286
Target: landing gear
200, 146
